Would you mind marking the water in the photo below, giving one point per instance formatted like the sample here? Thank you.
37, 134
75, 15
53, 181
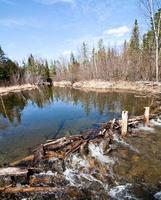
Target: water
132, 170
30, 118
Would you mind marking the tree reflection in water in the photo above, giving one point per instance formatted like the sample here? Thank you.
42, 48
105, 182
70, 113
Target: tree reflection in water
113, 102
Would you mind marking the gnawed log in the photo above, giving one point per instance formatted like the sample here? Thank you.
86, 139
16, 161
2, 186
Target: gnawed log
30, 189
124, 123
146, 116
23, 162
13, 171
84, 149
74, 147
55, 154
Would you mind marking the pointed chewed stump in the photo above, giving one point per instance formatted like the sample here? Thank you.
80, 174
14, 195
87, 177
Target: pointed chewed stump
146, 116
124, 123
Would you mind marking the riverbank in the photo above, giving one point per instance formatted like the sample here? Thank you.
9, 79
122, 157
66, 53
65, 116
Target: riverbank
16, 88
94, 85
99, 85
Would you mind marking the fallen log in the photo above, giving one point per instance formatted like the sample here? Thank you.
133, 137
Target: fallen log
52, 155
23, 162
13, 171
30, 189
63, 147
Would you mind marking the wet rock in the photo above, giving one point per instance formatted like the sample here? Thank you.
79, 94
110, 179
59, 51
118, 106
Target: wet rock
123, 153
135, 158
71, 193
53, 164
4, 181
48, 179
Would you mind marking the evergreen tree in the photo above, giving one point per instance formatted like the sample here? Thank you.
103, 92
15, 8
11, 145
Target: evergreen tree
135, 41
73, 68
134, 53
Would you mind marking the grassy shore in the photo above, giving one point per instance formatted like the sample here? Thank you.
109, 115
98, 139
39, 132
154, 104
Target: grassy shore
16, 88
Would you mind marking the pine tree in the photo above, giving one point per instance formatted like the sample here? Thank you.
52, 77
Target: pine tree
135, 41
2, 56
134, 53
73, 68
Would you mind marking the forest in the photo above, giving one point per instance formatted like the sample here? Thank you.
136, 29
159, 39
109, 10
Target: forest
138, 59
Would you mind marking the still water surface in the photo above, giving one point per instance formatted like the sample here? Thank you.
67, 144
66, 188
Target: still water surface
30, 118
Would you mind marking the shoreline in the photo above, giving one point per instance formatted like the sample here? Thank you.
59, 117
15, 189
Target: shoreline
93, 85
16, 88
105, 86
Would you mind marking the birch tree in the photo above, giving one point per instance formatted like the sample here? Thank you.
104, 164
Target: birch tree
151, 7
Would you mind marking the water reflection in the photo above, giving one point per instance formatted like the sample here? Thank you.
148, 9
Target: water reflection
30, 118
13, 104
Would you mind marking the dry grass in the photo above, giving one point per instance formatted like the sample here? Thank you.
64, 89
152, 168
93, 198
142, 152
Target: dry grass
141, 86
16, 88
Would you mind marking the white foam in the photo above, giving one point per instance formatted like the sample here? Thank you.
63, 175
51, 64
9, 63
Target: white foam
48, 173
146, 129
77, 160
53, 159
158, 195
156, 122
97, 152
119, 140
159, 120
122, 142
120, 192
91, 179
70, 176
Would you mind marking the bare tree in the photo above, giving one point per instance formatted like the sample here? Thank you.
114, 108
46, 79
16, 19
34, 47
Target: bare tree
151, 7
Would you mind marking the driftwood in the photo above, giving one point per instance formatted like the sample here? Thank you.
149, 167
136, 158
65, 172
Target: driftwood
60, 150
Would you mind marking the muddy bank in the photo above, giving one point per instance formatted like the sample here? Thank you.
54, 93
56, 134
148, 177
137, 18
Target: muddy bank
98, 85
16, 88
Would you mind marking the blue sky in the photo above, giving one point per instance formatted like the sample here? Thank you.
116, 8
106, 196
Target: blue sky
52, 28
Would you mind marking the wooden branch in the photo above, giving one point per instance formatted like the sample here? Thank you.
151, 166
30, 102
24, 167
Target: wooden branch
30, 189
13, 171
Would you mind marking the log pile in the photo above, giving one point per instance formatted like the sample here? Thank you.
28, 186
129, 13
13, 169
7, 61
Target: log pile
27, 176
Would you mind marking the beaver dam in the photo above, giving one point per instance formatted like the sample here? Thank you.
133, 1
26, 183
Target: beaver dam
118, 159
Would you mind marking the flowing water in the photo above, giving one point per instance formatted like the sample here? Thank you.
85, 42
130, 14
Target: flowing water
31, 118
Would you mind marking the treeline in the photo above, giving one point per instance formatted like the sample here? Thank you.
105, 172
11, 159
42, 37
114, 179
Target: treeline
34, 71
137, 60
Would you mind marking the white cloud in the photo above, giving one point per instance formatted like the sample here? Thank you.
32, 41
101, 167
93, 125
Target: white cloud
16, 22
50, 2
120, 31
